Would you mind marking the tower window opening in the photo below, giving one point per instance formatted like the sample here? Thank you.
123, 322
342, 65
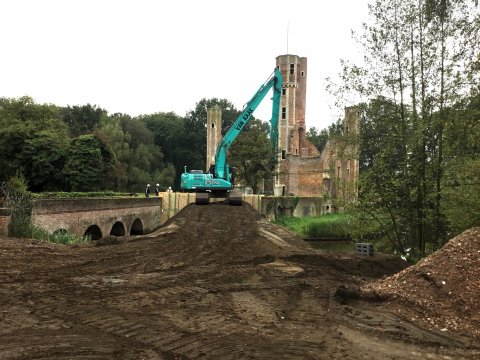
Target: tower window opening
283, 154
213, 125
292, 69
284, 92
302, 73
284, 113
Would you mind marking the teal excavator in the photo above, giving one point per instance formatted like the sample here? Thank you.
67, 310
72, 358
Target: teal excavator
219, 182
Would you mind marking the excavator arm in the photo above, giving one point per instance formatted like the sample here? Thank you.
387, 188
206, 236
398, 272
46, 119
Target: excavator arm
219, 184
274, 81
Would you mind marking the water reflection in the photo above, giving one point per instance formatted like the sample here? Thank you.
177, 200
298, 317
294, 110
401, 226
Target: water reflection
337, 246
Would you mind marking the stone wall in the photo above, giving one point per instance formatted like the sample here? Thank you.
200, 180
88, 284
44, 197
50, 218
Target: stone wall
273, 207
143, 215
112, 216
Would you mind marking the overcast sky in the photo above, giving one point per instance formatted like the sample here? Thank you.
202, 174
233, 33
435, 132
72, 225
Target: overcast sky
146, 56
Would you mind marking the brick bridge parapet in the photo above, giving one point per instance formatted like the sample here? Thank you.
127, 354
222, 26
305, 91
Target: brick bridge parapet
98, 217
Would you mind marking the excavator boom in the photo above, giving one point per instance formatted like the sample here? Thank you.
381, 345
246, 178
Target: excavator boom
220, 183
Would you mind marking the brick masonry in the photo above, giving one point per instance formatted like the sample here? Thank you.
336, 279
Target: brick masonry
77, 216
302, 170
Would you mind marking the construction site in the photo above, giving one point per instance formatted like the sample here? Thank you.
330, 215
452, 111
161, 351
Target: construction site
215, 281
239, 288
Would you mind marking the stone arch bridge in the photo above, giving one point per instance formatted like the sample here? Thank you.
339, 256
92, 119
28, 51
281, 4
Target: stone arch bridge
98, 217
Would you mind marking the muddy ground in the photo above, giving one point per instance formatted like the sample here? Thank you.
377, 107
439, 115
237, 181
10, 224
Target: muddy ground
217, 282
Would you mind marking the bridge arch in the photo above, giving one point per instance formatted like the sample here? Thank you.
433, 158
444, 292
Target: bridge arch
94, 232
137, 227
118, 229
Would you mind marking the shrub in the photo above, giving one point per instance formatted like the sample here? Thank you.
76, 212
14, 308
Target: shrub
58, 237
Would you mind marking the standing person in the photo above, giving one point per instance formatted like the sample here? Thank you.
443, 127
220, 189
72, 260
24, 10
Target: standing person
157, 189
147, 191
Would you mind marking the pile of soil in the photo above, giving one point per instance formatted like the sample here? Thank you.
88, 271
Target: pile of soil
442, 290
215, 282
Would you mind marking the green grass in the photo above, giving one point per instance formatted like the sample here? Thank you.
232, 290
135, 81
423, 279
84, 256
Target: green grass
329, 226
58, 237
77, 194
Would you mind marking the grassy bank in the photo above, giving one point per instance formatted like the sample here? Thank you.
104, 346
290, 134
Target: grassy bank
329, 226
58, 237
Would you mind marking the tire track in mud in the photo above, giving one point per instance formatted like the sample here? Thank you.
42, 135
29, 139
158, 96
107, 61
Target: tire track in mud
216, 282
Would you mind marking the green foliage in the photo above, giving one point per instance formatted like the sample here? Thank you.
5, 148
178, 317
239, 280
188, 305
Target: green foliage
88, 161
419, 130
42, 156
320, 138
19, 201
32, 137
84, 119
329, 226
251, 153
58, 237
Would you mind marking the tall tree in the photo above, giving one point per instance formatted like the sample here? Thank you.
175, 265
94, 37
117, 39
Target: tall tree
138, 160
83, 119
250, 153
414, 57
33, 139
320, 138
88, 161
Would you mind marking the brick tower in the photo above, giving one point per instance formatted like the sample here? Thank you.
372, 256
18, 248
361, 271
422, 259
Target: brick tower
293, 144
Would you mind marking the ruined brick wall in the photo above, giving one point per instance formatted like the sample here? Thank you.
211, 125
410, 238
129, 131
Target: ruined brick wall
304, 175
334, 172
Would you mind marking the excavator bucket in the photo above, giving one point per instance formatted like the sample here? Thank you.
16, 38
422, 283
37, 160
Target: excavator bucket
202, 198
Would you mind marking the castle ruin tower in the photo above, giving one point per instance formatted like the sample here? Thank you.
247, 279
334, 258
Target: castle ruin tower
294, 93
214, 133
292, 140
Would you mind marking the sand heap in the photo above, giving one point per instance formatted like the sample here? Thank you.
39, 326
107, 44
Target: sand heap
442, 290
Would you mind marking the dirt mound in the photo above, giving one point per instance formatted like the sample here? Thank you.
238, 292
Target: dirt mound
224, 233
442, 290
215, 282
